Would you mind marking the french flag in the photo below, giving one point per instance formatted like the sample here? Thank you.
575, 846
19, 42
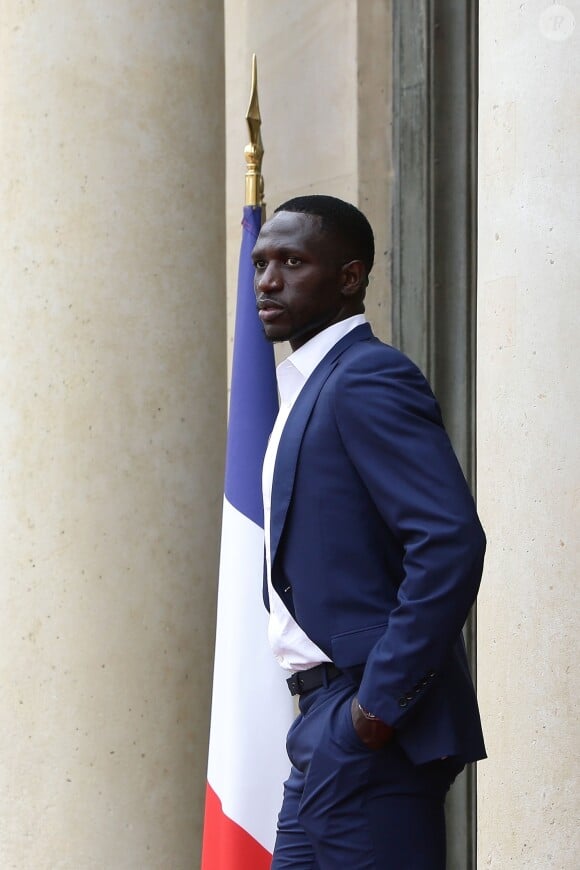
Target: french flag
251, 707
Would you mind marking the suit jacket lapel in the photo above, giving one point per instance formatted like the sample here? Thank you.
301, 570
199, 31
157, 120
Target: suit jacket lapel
289, 447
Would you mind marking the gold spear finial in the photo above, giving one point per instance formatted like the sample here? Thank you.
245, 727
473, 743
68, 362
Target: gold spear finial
254, 150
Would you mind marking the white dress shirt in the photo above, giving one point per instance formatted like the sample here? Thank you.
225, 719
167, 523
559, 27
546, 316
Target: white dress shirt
292, 648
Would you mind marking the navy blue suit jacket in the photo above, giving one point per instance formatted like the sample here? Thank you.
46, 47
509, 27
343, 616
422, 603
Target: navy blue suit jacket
376, 546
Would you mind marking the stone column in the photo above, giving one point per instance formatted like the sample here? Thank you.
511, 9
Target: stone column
528, 408
112, 337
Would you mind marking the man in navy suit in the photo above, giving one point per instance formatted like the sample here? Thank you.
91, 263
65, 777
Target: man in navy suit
374, 555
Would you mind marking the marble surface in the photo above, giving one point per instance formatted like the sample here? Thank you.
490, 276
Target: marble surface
528, 407
113, 379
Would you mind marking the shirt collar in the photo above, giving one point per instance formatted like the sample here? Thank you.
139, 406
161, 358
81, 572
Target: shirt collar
294, 371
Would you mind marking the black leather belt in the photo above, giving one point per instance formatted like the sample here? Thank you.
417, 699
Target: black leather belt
313, 678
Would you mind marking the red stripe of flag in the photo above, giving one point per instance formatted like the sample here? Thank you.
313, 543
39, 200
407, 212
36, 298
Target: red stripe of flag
226, 844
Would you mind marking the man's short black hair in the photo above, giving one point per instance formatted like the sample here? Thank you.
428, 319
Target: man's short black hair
340, 218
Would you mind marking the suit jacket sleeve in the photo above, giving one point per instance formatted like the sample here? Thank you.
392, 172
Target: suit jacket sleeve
391, 428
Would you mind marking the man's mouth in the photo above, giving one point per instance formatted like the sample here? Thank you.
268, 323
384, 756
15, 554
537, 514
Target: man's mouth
269, 309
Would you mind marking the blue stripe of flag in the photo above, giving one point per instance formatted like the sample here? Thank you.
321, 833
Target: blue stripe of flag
254, 396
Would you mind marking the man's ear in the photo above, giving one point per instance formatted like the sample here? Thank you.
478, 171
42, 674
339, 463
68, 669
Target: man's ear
354, 276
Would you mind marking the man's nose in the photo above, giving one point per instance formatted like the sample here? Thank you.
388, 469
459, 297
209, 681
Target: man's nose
270, 279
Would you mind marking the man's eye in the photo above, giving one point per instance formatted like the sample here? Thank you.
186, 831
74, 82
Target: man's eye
259, 264
293, 261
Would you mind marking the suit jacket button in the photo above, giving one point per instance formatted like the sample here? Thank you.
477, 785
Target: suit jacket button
403, 702
431, 674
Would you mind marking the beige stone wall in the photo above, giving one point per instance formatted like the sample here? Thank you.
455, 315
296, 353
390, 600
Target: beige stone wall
112, 337
325, 95
528, 405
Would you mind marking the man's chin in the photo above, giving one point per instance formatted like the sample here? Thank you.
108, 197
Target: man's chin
276, 338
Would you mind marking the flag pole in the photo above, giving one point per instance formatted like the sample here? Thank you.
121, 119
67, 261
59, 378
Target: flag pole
254, 150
